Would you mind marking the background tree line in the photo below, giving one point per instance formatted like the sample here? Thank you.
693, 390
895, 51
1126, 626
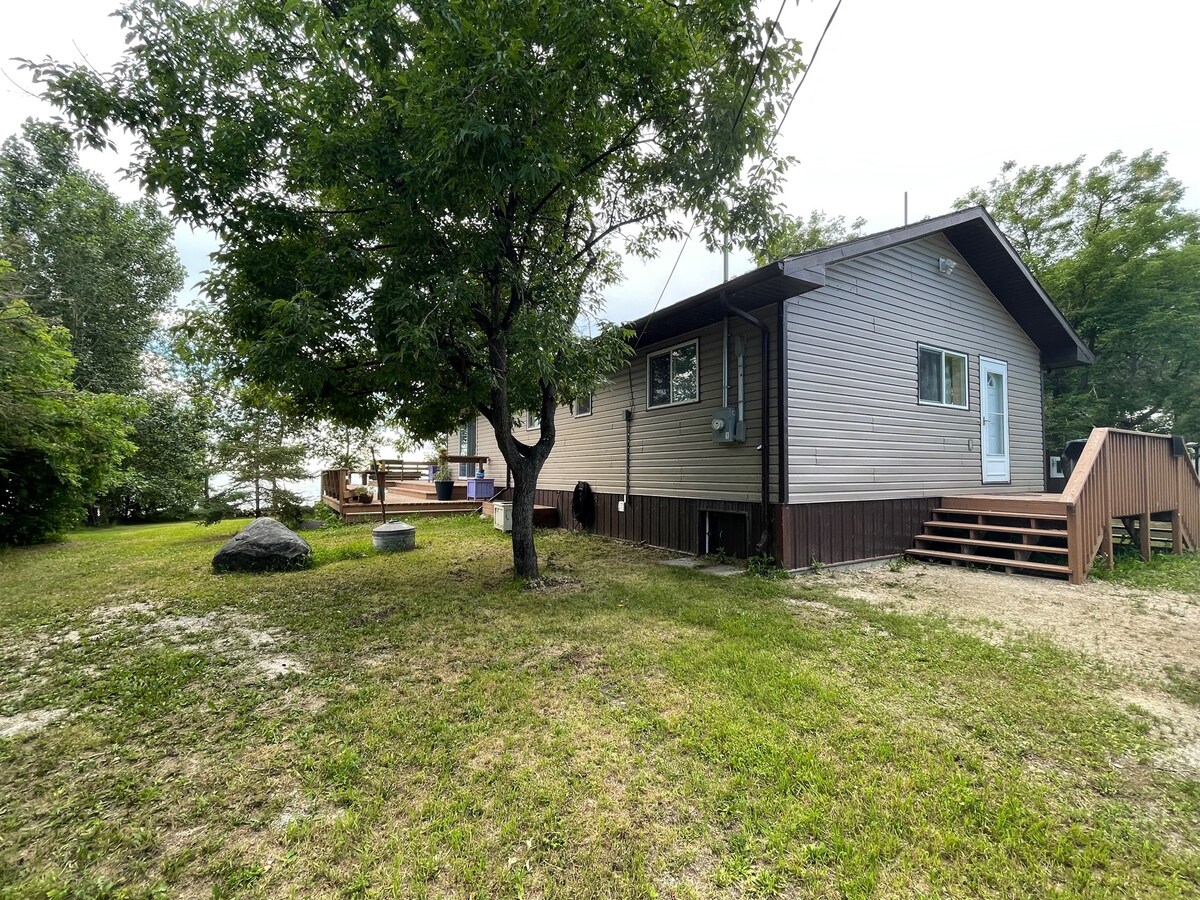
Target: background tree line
105, 408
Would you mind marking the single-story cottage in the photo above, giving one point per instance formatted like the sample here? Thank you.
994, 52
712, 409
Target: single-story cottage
877, 397
900, 368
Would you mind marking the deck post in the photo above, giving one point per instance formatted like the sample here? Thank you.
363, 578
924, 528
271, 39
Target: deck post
1075, 560
1176, 532
381, 489
1144, 535
1107, 541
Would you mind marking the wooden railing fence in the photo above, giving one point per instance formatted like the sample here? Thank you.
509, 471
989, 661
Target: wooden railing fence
1127, 475
333, 483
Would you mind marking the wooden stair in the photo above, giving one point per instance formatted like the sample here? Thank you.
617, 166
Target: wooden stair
1024, 535
1128, 486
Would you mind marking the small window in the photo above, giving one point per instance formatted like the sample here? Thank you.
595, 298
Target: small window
942, 377
532, 420
582, 406
673, 376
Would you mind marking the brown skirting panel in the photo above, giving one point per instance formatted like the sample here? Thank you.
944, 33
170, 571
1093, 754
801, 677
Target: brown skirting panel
669, 522
825, 532
844, 532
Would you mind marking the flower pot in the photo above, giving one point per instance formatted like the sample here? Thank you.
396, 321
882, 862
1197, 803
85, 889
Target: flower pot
445, 489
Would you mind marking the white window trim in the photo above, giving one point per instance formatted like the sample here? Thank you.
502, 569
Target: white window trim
667, 351
591, 407
530, 416
966, 358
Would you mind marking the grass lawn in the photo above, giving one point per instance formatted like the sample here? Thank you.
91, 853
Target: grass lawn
419, 725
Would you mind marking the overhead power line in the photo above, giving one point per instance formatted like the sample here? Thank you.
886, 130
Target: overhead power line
738, 118
817, 49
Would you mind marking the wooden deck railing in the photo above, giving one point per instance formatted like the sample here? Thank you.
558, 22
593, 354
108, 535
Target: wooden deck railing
333, 483
1128, 474
403, 469
336, 483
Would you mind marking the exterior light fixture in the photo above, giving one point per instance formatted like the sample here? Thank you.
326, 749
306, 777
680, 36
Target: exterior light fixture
946, 266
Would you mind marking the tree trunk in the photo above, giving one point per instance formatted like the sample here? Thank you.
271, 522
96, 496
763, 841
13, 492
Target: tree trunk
524, 461
525, 561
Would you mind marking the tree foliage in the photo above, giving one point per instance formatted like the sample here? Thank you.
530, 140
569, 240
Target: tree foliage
416, 201
349, 446
256, 445
165, 477
1117, 251
793, 235
59, 447
105, 269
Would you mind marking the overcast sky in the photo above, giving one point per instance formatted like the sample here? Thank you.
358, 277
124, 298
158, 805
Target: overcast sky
924, 96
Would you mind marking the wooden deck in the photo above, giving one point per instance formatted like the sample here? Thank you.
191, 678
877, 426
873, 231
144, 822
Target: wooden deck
406, 495
1135, 483
403, 494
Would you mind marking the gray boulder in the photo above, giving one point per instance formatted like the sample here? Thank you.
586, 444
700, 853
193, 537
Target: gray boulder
264, 545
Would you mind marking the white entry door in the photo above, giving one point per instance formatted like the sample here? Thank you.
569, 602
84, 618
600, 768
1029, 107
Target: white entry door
993, 404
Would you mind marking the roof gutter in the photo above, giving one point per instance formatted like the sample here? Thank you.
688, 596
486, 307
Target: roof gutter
764, 544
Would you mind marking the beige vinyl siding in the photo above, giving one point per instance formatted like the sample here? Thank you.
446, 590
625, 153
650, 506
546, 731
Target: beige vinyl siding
855, 428
672, 448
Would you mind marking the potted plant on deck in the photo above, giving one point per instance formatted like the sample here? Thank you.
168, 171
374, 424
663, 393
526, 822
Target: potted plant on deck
443, 481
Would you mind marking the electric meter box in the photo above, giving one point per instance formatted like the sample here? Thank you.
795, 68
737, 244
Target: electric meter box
726, 429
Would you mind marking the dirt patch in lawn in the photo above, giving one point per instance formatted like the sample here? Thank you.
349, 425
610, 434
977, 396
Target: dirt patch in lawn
256, 650
1143, 635
28, 722
1147, 632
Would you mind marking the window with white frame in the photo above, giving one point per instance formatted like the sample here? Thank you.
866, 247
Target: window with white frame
942, 377
673, 376
532, 420
582, 406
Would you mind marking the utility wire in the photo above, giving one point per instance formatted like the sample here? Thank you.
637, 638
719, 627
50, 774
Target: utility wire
729, 138
741, 109
817, 49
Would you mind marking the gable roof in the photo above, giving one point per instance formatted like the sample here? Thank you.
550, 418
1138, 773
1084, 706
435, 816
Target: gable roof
972, 232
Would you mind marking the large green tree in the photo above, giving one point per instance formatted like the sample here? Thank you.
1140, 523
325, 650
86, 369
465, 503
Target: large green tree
257, 446
103, 268
59, 446
166, 476
1117, 251
792, 235
416, 200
